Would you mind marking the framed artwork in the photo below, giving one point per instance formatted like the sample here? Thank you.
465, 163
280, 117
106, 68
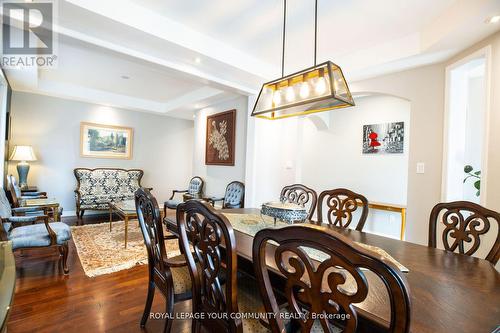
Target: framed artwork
219, 144
387, 138
105, 141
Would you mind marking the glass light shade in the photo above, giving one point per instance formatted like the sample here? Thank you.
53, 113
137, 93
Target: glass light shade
23, 153
316, 89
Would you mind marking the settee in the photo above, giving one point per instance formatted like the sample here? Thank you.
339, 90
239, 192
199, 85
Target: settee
98, 187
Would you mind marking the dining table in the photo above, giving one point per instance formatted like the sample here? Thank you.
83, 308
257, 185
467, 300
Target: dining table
449, 292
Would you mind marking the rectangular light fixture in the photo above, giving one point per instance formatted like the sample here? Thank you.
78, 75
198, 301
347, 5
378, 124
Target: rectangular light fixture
315, 89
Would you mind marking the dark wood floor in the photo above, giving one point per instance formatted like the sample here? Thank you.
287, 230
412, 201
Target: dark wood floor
48, 301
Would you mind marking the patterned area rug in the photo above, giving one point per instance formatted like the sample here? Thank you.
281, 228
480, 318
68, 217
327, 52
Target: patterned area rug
102, 251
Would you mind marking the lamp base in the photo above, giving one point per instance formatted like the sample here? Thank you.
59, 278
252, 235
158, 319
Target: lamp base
22, 169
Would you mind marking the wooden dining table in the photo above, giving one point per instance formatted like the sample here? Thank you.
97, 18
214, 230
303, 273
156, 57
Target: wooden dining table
449, 292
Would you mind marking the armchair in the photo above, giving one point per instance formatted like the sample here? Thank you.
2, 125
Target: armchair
234, 196
25, 234
17, 193
194, 191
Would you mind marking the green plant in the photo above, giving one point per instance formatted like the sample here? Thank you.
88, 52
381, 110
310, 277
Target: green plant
469, 171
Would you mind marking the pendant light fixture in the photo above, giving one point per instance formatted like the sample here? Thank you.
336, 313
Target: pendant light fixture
315, 89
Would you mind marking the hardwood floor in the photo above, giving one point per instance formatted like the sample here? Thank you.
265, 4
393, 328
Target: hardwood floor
48, 301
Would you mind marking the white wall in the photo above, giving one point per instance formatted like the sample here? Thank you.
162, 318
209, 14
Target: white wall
338, 160
329, 155
423, 87
217, 176
162, 147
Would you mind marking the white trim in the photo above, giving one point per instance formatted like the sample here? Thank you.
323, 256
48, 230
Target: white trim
486, 53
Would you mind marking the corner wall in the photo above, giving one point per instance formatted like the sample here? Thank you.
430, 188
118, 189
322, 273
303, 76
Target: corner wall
217, 176
162, 147
424, 88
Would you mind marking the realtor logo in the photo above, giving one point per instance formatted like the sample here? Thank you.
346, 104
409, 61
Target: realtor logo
27, 34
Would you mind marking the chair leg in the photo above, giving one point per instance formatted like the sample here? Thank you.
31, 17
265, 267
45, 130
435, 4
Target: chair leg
149, 302
195, 326
64, 250
169, 308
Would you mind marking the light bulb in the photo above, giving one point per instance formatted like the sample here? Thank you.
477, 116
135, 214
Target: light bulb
290, 94
267, 99
320, 87
304, 90
277, 97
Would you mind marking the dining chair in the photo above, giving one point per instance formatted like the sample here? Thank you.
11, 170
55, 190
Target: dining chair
301, 195
234, 196
464, 222
213, 267
194, 191
341, 204
169, 275
325, 276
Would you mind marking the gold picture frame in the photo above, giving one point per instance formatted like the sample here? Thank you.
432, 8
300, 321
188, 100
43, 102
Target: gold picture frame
106, 141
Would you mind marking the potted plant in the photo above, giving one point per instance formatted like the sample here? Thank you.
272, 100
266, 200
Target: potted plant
475, 175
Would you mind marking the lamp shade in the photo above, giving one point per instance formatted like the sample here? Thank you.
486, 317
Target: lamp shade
23, 153
316, 89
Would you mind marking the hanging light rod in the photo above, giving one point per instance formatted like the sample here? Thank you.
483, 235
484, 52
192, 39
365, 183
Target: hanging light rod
315, 89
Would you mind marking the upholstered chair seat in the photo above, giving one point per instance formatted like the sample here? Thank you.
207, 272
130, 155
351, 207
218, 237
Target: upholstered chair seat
172, 204
180, 276
249, 301
36, 235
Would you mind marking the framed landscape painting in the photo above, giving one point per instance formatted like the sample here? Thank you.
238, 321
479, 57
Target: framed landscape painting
105, 141
220, 137
387, 138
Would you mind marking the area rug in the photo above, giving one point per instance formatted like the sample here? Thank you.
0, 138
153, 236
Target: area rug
102, 251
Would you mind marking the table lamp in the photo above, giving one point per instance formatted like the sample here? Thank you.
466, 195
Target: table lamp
23, 154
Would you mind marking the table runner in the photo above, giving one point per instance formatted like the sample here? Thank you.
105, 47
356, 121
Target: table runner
250, 224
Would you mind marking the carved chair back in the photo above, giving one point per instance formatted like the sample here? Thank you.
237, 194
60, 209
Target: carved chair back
235, 195
464, 222
149, 218
195, 187
213, 257
301, 195
341, 203
328, 285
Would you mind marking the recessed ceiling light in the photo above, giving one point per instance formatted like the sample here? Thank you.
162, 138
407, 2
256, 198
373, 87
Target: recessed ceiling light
197, 60
197, 106
125, 77
493, 19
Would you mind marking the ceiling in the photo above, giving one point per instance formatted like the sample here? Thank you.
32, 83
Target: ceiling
174, 57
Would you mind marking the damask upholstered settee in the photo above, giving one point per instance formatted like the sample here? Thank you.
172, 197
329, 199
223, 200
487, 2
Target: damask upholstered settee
97, 187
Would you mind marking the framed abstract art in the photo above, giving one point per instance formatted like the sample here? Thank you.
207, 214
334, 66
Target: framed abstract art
220, 138
386, 138
105, 141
